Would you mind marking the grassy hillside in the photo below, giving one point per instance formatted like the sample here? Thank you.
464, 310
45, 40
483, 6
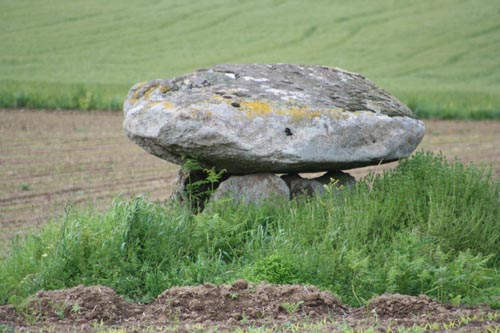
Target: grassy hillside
440, 57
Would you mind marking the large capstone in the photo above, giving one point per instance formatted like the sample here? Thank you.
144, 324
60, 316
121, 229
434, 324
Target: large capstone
271, 118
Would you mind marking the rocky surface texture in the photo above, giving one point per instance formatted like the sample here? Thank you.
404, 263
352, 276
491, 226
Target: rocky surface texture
253, 121
253, 188
300, 186
271, 118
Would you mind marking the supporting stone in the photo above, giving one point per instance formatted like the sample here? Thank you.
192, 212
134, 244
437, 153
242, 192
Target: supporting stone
191, 187
302, 186
252, 189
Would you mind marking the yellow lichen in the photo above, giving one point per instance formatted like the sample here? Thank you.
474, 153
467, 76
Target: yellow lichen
139, 85
164, 89
142, 90
301, 113
165, 104
259, 109
136, 88
147, 93
256, 108
217, 98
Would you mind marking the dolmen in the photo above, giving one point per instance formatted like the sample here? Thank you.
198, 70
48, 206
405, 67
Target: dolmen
250, 123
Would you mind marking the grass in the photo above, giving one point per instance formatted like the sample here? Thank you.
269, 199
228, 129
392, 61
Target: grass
428, 227
435, 56
43, 95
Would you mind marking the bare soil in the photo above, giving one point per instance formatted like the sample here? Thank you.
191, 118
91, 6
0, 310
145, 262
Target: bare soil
241, 305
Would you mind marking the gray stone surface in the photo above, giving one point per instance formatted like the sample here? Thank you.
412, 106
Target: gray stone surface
340, 178
179, 186
302, 186
252, 189
271, 118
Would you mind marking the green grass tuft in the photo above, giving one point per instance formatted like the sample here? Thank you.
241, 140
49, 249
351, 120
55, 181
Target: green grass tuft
428, 227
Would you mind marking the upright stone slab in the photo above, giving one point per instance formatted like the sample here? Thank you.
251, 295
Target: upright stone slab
302, 186
271, 118
191, 188
339, 178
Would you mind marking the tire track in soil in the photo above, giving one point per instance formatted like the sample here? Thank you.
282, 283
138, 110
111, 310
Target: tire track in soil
54, 183
139, 184
48, 175
101, 200
71, 168
73, 188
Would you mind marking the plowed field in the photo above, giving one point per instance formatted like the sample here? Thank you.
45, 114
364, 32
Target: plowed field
51, 159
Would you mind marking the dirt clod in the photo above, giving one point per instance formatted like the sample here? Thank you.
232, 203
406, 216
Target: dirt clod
401, 306
246, 300
240, 284
81, 304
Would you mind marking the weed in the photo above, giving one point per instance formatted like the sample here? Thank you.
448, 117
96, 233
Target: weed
6, 328
291, 308
428, 227
76, 308
244, 318
201, 182
24, 187
60, 310
276, 268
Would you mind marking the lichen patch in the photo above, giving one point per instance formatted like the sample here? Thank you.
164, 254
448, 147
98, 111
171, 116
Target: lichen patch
166, 105
255, 109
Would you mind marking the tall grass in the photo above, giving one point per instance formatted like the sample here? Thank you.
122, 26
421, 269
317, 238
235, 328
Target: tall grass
453, 105
429, 226
61, 96
439, 52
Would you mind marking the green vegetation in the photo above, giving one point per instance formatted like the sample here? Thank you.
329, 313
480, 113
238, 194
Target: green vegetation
200, 184
24, 187
429, 226
438, 56
61, 96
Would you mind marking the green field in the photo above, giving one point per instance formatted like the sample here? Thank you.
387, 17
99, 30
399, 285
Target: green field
440, 57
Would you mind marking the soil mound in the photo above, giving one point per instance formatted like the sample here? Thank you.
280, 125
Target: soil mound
8, 314
81, 304
402, 306
221, 308
243, 300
